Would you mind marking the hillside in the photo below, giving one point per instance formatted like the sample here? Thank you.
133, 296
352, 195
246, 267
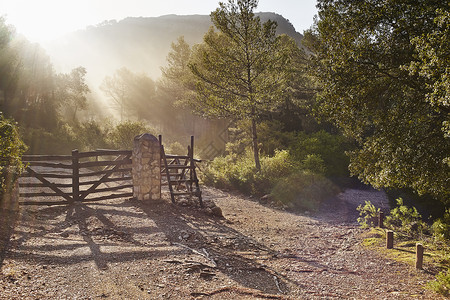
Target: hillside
140, 44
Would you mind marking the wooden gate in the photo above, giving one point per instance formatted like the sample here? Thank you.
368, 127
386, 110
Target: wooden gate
82, 176
179, 173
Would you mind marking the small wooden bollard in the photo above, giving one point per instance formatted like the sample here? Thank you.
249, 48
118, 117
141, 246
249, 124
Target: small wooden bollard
381, 219
419, 256
389, 239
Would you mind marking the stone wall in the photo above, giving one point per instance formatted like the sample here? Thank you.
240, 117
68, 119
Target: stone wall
146, 168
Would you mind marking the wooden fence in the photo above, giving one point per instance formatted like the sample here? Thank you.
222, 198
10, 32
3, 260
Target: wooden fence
179, 173
82, 176
100, 175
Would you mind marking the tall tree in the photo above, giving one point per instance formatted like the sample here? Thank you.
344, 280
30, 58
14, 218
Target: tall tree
240, 69
177, 79
130, 92
71, 90
31, 99
365, 53
177, 91
9, 64
115, 87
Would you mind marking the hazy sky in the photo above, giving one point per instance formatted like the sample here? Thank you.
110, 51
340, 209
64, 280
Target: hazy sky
44, 20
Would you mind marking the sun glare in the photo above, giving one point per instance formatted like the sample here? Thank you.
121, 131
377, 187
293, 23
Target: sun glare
42, 21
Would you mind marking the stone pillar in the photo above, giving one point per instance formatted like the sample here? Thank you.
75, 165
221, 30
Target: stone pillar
146, 170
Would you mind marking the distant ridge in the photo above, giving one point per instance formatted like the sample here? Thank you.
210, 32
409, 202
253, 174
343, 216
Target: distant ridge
138, 43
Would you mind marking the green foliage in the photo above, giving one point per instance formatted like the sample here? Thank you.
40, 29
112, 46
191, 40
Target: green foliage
441, 228
60, 140
314, 163
242, 71
303, 190
367, 214
177, 80
230, 171
279, 176
92, 135
131, 93
383, 68
71, 90
86, 136
323, 152
406, 220
176, 148
122, 136
239, 172
11, 150
442, 284
320, 152
272, 136
273, 168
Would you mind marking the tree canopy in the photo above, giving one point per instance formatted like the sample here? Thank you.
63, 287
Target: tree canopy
72, 91
241, 69
130, 92
383, 68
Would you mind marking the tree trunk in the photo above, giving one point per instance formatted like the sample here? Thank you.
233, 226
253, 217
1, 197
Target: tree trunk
74, 118
255, 145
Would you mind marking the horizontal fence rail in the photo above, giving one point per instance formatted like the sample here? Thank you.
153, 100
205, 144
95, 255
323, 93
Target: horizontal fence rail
100, 175
83, 176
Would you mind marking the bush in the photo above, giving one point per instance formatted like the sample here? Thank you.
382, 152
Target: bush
272, 170
406, 220
91, 135
303, 190
367, 214
122, 136
441, 228
176, 148
40, 141
442, 284
314, 163
11, 150
239, 172
324, 147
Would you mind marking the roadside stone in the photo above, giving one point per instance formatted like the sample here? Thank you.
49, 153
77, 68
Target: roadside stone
265, 199
217, 211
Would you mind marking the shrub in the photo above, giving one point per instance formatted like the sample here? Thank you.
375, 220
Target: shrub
272, 170
11, 150
296, 185
122, 136
406, 220
367, 214
91, 135
441, 228
303, 190
230, 172
442, 284
176, 148
239, 172
314, 163
323, 146
59, 141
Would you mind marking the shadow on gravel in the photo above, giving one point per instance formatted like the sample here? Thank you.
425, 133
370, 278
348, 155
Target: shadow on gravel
226, 250
9, 212
197, 244
64, 246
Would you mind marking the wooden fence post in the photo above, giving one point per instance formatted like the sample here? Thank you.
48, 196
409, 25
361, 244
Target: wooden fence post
381, 219
75, 176
192, 166
389, 239
419, 256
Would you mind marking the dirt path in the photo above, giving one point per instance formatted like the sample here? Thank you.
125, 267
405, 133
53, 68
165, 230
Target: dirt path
126, 249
